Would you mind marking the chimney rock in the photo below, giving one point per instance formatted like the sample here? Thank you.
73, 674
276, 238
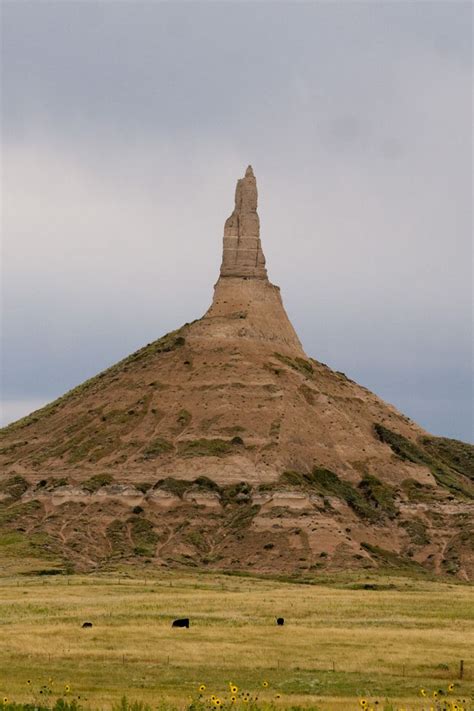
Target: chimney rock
242, 254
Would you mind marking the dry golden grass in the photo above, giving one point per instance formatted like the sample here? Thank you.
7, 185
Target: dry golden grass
385, 642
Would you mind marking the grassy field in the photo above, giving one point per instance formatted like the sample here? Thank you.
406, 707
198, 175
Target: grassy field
340, 641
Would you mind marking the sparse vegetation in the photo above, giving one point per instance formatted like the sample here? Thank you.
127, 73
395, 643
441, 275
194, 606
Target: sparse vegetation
175, 486
405, 449
305, 367
381, 496
14, 487
184, 418
390, 559
144, 486
143, 535
455, 454
97, 481
415, 491
203, 482
156, 447
240, 493
327, 483
204, 448
417, 531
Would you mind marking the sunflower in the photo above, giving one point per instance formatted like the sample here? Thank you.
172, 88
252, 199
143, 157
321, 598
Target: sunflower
233, 699
264, 684
363, 703
213, 697
233, 689
5, 699
451, 687
422, 692
217, 702
277, 696
67, 688
435, 694
202, 687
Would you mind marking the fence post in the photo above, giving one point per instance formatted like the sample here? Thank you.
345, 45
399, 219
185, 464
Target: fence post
461, 669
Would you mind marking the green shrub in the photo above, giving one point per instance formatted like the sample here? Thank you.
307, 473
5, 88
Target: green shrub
327, 483
143, 486
204, 448
184, 418
380, 495
390, 559
143, 536
14, 487
409, 451
303, 366
455, 454
236, 493
416, 529
175, 486
203, 482
157, 447
97, 481
418, 492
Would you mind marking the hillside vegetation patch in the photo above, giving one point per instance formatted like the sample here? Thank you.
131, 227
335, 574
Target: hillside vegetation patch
156, 447
205, 448
372, 499
97, 481
301, 365
14, 487
458, 483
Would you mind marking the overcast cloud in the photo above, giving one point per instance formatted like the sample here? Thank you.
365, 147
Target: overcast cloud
125, 126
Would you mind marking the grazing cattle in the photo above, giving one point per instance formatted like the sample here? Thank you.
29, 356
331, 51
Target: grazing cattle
280, 621
182, 622
86, 624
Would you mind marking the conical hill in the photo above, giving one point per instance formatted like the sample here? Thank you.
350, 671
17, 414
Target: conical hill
224, 445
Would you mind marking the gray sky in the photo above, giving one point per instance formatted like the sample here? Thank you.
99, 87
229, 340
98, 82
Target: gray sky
125, 126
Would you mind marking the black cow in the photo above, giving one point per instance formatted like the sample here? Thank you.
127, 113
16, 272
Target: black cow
280, 621
181, 622
86, 624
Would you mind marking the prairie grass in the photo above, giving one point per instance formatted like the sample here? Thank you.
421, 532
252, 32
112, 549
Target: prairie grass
339, 642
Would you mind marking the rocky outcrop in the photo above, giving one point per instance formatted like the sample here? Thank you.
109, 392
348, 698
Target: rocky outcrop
222, 444
242, 255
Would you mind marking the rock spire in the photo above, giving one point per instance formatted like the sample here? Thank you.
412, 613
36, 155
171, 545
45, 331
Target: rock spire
242, 255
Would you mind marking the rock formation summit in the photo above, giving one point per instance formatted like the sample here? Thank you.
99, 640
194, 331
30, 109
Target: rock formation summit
223, 445
246, 307
242, 254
